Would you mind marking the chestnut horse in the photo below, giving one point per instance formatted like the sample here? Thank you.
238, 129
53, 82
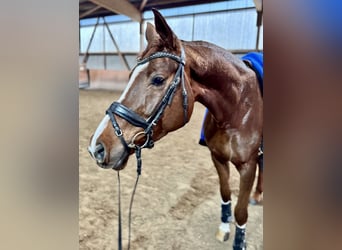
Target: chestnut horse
169, 77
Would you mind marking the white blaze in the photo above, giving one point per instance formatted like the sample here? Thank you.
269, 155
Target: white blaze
103, 124
136, 72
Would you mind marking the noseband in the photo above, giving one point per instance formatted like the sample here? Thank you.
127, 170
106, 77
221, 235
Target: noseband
147, 124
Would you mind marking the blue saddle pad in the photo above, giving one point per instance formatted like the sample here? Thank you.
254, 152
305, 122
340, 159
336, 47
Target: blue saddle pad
256, 61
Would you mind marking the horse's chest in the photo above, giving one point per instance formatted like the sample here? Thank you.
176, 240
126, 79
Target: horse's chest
233, 145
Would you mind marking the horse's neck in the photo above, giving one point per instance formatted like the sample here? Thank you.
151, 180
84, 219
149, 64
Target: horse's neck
216, 77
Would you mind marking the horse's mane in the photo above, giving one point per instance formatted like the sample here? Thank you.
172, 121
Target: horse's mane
223, 52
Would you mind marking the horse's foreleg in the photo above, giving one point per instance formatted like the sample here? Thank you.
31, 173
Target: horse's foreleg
226, 211
247, 175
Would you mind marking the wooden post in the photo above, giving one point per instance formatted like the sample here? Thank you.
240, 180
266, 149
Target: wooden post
141, 24
259, 9
79, 37
141, 36
104, 46
259, 22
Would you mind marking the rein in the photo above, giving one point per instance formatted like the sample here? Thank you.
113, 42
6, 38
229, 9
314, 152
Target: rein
129, 214
116, 108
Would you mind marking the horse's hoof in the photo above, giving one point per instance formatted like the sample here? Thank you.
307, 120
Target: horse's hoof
222, 235
256, 200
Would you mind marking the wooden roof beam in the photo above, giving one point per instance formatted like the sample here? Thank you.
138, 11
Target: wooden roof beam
142, 5
123, 7
89, 11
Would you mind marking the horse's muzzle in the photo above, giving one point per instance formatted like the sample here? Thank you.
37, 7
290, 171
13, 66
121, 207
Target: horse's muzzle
105, 160
100, 153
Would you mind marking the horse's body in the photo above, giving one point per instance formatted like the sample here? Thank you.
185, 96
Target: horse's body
213, 77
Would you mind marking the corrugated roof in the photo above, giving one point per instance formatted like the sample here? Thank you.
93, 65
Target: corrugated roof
91, 9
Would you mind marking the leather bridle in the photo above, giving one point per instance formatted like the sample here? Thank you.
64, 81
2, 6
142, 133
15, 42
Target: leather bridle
117, 108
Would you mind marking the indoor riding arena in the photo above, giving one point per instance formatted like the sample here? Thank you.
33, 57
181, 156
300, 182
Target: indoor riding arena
177, 204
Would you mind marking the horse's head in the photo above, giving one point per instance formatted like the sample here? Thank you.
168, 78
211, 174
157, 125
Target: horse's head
157, 100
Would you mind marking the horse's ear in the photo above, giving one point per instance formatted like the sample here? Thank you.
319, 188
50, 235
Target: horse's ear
150, 33
164, 30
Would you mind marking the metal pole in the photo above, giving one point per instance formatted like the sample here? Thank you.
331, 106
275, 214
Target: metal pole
123, 59
257, 39
85, 58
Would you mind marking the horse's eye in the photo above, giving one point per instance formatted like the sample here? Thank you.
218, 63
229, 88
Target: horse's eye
157, 80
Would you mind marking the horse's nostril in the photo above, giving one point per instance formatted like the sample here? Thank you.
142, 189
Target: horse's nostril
99, 153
